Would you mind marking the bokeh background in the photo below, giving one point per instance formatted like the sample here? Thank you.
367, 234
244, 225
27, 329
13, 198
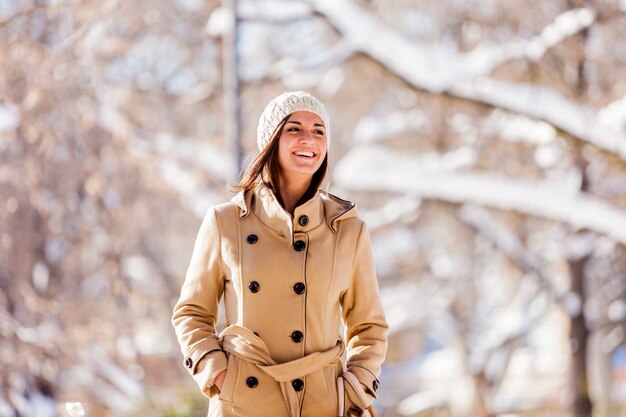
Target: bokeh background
483, 141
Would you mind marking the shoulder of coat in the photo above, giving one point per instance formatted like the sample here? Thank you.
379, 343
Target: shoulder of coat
241, 202
227, 208
337, 209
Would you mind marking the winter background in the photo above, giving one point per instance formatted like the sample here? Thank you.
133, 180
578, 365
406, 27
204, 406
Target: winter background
484, 142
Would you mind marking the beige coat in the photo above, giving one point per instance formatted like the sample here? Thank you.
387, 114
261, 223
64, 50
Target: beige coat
286, 282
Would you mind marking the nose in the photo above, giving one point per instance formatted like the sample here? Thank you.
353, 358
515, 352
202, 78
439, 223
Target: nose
305, 136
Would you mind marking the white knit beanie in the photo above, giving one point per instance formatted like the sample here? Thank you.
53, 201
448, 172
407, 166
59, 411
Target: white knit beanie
281, 107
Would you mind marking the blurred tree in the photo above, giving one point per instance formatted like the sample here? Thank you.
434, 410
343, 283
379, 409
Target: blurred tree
484, 142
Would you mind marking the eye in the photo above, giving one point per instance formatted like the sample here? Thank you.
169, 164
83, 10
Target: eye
319, 132
293, 129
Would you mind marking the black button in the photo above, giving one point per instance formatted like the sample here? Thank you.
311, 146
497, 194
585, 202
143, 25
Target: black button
299, 288
254, 286
189, 363
303, 220
375, 385
299, 245
252, 239
252, 382
297, 336
297, 384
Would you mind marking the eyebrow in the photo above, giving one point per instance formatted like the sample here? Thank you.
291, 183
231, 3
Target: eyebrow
298, 123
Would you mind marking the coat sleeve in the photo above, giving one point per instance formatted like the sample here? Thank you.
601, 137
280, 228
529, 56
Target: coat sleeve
195, 313
364, 319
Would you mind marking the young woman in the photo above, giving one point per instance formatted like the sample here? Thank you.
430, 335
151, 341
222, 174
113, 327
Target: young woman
290, 261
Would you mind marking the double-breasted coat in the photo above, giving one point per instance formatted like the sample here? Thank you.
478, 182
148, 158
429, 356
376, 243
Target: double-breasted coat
286, 283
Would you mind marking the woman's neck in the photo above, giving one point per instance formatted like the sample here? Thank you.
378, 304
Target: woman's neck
291, 191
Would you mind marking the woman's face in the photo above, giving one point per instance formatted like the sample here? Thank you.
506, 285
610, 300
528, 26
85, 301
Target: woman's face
302, 146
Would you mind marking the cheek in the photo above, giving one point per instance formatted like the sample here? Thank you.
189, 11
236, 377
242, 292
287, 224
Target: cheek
283, 152
324, 150
323, 155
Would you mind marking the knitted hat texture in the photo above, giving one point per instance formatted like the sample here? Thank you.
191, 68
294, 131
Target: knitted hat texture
281, 107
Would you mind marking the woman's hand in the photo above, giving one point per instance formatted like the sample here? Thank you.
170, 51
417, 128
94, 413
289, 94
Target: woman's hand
350, 409
219, 380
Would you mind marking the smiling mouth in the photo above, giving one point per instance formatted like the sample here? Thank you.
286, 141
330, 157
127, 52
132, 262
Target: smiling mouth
305, 154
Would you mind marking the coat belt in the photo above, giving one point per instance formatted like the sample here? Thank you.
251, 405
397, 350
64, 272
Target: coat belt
243, 343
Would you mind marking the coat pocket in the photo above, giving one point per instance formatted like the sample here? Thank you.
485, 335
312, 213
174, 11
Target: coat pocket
232, 371
331, 372
320, 392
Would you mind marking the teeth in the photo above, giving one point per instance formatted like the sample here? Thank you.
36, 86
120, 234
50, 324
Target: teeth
309, 154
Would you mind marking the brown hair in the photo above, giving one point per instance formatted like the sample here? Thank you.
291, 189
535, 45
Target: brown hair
266, 164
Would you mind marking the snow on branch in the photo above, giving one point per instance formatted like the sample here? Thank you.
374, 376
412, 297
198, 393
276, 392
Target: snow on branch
614, 113
404, 208
438, 67
204, 155
546, 104
380, 169
270, 11
509, 244
409, 60
378, 128
564, 25
179, 160
334, 55
273, 11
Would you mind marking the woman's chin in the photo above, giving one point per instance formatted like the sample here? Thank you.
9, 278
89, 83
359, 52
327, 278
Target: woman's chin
300, 172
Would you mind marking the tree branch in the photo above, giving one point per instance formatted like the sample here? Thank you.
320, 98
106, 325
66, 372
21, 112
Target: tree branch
379, 169
440, 68
508, 243
272, 11
545, 104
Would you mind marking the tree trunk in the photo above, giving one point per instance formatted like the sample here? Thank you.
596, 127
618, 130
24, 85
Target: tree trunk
482, 388
579, 336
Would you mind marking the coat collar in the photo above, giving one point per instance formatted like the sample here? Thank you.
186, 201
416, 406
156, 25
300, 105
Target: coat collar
323, 207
